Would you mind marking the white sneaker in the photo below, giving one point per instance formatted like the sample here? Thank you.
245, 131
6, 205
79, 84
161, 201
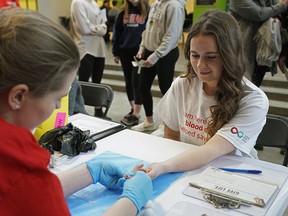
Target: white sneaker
144, 126
159, 132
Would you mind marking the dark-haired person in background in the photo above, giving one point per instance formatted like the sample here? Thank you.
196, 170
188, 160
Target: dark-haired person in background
128, 28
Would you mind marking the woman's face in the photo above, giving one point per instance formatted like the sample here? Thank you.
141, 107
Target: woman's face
205, 59
37, 109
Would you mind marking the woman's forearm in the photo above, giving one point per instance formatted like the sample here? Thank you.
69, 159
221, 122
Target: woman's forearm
123, 207
75, 179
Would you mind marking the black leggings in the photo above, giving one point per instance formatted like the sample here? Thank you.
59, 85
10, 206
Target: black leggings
164, 69
91, 65
131, 76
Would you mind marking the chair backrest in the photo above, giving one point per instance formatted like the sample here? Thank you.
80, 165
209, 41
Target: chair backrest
275, 134
97, 95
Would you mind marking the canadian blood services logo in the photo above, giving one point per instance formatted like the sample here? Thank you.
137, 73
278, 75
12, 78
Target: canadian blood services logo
234, 130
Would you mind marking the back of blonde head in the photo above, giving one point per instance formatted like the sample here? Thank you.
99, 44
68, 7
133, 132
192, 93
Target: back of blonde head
34, 51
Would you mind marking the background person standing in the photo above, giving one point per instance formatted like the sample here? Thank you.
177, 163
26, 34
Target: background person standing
112, 13
159, 48
251, 14
129, 25
107, 7
88, 28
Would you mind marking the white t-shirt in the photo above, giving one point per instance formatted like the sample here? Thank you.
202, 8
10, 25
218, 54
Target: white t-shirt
185, 108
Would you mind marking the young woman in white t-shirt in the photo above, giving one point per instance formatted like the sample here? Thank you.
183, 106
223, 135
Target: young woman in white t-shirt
213, 105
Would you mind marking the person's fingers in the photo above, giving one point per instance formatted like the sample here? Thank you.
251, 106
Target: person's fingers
137, 168
121, 182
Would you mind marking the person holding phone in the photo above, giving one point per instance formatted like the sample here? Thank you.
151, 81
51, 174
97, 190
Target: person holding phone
159, 50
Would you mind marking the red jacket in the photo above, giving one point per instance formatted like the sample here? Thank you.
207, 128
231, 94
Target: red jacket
27, 187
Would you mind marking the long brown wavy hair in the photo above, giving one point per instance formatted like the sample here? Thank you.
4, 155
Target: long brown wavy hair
142, 6
230, 87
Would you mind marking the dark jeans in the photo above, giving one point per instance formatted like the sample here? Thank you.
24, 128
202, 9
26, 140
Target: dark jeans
91, 65
164, 69
131, 76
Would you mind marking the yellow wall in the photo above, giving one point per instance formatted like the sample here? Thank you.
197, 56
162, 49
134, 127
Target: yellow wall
190, 6
100, 2
54, 9
29, 4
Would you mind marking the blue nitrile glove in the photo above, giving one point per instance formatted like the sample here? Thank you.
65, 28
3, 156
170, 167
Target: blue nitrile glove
106, 173
138, 189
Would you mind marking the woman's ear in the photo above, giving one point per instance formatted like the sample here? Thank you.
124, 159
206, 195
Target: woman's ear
17, 96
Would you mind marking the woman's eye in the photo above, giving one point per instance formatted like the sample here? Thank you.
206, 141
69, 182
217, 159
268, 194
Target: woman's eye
211, 57
195, 56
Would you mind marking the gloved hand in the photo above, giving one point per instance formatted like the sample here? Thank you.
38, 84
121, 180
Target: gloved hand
138, 189
106, 173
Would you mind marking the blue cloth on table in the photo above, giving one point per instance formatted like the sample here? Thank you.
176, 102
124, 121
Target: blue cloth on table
96, 199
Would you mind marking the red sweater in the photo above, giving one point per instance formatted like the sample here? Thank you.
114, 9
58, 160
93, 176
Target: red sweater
27, 187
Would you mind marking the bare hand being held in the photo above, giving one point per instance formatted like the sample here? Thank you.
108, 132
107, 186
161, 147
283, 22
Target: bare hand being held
116, 59
154, 170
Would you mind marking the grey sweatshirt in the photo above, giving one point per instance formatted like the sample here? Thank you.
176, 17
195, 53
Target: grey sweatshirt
164, 27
